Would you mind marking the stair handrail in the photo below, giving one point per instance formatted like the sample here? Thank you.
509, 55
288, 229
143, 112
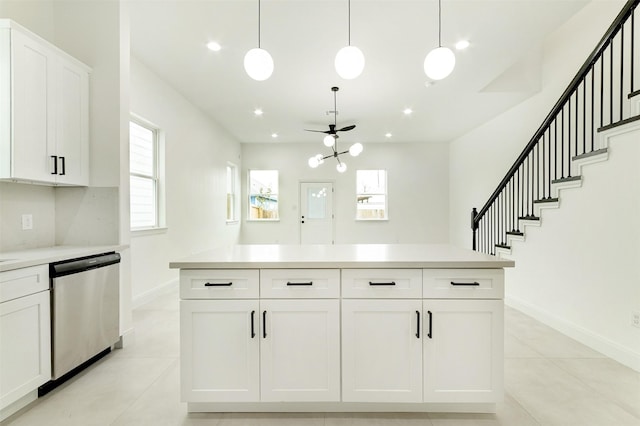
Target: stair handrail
624, 14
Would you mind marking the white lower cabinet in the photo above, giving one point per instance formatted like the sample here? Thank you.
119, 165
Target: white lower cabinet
25, 346
463, 350
300, 350
220, 350
268, 350
382, 350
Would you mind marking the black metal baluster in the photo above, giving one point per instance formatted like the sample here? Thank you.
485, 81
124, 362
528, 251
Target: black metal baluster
632, 54
592, 107
518, 201
601, 59
544, 170
584, 116
576, 129
611, 82
621, 67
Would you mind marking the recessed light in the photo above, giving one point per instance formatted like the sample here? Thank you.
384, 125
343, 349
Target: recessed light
214, 46
274, 135
462, 44
407, 111
388, 135
258, 112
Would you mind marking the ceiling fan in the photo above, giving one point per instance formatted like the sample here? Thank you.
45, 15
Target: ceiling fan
331, 140
332, 133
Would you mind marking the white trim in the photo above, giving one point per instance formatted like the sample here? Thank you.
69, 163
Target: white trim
18, 407
149, 295
142, 232
587, 337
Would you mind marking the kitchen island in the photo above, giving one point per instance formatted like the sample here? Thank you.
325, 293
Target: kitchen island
364, 327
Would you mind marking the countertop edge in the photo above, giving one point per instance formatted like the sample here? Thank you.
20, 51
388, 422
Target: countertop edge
343, 265
41, 256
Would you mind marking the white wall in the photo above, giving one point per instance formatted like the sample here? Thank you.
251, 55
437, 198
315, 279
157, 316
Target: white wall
578, 271
197, 150
418, 188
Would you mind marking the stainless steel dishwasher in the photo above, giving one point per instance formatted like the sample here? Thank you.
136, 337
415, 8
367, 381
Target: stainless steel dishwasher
85, 310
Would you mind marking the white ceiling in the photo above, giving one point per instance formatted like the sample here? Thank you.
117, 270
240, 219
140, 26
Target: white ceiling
500, 68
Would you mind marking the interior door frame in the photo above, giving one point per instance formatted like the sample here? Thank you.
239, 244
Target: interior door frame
333, 206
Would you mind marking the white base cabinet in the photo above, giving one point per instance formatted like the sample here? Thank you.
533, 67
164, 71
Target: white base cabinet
463, 350
300, 350
341, 340
381, 351
25, 346
220, 350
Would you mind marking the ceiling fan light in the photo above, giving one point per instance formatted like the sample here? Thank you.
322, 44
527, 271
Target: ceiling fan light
355, 149
341, 167
349, 62
439, 63
329, 140
258, 64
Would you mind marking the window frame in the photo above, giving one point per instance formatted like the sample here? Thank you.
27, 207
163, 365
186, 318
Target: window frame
233, 171
249, 195
157, 178
385, 194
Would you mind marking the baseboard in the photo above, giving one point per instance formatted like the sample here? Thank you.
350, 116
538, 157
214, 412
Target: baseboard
149, 295
17, 407
595, 341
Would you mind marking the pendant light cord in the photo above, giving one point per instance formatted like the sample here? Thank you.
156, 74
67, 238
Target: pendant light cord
258, 24
439, 23
349, 25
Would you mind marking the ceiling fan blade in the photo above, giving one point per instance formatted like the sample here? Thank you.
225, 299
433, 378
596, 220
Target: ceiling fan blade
319, 131
347, 128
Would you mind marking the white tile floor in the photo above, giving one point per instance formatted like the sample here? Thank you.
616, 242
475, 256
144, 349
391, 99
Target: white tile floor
550, 380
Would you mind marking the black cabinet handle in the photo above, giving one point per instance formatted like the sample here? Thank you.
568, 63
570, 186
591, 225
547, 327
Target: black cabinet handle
418, 322
253, 330
264, 324
217, 284
63, 167
55, 165
475, 283
305, 283
429, 335
389, 283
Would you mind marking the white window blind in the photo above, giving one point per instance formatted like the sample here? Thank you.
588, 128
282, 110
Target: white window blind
143, 165
232, 191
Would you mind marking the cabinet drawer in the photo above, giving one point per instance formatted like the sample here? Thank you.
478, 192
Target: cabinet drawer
219, 283
300, 283
463, 283
24, 281
382, 283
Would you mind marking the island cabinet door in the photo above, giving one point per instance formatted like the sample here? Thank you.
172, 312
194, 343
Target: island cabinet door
382, 350
463, 351
220, 350
300, 350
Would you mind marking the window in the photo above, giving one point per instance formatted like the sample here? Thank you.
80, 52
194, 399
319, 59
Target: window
263, 195
144, 179
371, 194
232, 191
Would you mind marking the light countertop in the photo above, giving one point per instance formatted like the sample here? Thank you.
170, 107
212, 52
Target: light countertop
341, 256
24, 258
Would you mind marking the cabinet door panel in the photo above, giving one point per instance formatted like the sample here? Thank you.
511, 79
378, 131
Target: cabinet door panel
220, 354
300, 350
33, 121
72, 133
25, 349
381, 351
463, 358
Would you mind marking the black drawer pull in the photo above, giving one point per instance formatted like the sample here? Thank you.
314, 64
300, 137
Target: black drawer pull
55, 165
264, 324
475, 283
418, 322
305, 283
253, 330
389, 283
217, 284
429, 335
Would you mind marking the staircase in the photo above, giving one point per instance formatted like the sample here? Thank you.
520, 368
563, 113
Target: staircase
601, 102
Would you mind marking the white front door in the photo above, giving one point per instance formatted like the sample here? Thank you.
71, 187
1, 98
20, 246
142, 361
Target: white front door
316, 213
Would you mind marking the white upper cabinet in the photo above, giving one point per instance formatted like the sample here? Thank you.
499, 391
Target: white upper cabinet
44, 111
